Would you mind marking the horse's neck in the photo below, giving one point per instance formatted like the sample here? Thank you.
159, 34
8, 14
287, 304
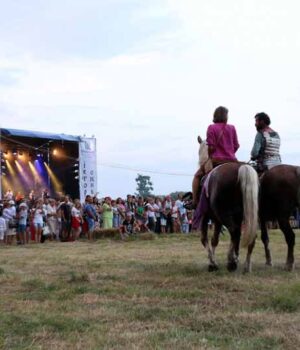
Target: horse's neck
204, 160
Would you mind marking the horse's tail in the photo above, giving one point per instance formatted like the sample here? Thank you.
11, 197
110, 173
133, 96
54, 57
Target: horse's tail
249, 183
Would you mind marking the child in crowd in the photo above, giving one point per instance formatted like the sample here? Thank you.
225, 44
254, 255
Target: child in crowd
129, 226
184, 221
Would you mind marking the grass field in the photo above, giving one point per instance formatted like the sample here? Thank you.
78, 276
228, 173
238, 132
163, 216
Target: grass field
154, 294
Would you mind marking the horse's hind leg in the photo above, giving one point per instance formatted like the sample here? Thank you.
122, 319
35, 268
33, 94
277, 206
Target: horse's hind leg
233, 253
247, 266
212, 266
290, 240
265, 240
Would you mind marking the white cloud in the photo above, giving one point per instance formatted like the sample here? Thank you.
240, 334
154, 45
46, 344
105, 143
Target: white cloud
147, 106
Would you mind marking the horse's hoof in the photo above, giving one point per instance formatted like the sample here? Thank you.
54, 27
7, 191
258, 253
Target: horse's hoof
213, 267
269, 263
232, 266
289, 267
246, 270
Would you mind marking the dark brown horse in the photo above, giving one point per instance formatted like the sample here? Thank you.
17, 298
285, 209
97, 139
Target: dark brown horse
279, 197
232, 200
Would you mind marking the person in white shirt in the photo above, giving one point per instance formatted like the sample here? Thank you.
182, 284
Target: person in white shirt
167, 210
3, 226
77, 220
157, 209
181, 211
179, 202
151, 214
9, 214
38, 220
175, 217
52, 222
22, 223
9, 195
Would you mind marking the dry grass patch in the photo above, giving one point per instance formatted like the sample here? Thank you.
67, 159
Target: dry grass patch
145, 294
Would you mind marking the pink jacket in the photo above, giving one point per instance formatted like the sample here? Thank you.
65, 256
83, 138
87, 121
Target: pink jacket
223, 138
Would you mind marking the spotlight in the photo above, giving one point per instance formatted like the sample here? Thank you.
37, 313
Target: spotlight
75, 169
15, 152
55, 152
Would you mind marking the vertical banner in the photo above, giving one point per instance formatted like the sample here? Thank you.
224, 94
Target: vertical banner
88, 167
1, 153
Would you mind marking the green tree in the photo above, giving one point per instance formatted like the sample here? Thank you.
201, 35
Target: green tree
144, 185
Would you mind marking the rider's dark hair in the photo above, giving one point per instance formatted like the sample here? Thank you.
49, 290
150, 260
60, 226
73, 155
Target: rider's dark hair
220, 115
263, 117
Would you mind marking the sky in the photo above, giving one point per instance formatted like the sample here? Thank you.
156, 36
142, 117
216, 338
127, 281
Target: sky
144, 77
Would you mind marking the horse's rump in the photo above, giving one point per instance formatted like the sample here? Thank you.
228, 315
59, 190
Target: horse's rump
279, 191
233, 198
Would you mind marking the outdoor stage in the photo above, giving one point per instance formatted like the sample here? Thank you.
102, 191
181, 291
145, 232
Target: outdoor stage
59, 163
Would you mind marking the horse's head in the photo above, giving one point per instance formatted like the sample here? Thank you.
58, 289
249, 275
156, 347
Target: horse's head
204, 160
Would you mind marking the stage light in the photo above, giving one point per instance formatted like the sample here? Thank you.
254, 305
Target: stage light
7, 155
15, 152
11, 170
21, 155
55, 181
3, 167
55, 152
36, 173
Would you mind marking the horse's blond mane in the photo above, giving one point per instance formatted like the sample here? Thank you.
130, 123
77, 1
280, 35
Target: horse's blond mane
204, 160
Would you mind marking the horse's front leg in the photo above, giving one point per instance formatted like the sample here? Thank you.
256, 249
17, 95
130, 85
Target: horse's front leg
265, 240
214, 244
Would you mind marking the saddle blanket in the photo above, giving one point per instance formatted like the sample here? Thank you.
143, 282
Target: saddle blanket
203, 204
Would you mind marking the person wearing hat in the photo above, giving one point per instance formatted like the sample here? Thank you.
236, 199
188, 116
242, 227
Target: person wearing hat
107, 213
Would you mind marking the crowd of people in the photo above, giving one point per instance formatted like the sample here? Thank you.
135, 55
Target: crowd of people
65, 219
28, 219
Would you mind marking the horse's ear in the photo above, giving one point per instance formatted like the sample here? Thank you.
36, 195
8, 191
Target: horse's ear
199, 139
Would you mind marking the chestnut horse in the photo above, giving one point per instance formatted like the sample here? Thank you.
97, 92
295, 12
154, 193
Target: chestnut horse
279, 197
232, 201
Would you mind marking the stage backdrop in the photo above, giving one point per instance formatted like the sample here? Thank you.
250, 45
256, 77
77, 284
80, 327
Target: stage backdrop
88, 167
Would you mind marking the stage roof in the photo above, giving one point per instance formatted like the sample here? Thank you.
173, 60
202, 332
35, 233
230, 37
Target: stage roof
39, 134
